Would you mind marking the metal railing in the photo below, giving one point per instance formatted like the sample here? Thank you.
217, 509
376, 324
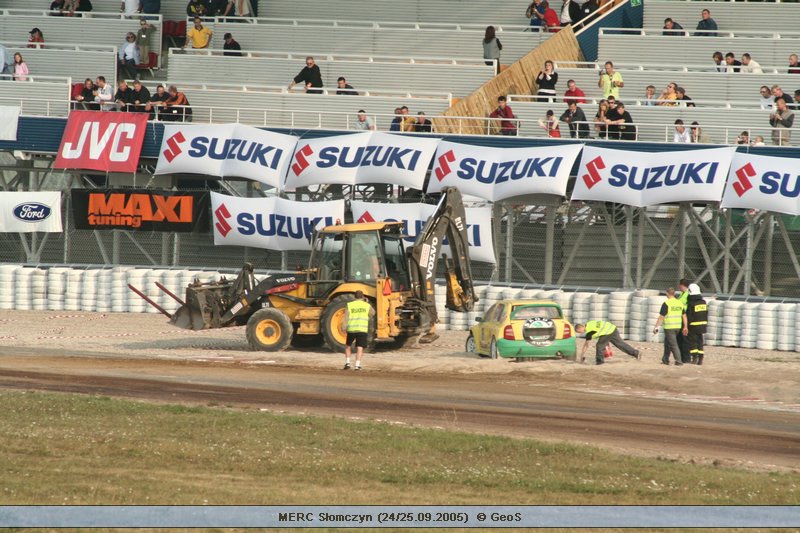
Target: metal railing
78, 14
661, 67
701, 33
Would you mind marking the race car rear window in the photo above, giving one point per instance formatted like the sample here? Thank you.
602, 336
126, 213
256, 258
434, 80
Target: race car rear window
524, 312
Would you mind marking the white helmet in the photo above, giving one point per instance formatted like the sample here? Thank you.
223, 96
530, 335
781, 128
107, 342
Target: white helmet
694, 289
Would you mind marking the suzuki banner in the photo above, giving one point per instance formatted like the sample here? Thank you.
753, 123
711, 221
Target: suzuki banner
500, 173
9, 120
272, 223
28, 212
226, 150
102, 140
359, 158
642, 179
414, 217
140, 209
763, 182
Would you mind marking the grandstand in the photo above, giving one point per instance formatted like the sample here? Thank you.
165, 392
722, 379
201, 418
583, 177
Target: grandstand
778, 17
69, 60
41, 96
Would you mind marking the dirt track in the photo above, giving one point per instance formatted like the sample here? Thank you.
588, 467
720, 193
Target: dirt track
639, 408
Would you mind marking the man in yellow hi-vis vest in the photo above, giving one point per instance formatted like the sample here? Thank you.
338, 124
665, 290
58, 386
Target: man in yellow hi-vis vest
357, 318
604, 333
674, 320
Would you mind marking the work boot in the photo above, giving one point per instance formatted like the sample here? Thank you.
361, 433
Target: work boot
699, 359
694, 359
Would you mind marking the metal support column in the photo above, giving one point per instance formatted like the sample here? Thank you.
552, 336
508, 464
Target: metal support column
549, 241
726, 265
640, 247
627, 282
681, 241
768, 253
748, 260
509, 242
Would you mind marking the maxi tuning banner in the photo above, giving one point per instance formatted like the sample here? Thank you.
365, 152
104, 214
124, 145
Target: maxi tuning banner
28, 212
763, 182
358, 158
273, 223
140, 209
500, 173
414, 217
650, 178
102, 140
226, 150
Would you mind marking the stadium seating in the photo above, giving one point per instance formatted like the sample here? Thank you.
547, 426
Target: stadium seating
107, 29
66, 60
42, 96
370, 38
634, 46
730, 16
268, 68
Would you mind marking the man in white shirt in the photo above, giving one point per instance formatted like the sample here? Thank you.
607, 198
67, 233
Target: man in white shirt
104, 95
750, 65
130, 7
766, 99
682, 135
364, 123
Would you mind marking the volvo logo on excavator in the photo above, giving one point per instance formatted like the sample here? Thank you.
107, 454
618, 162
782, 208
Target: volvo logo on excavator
432, 258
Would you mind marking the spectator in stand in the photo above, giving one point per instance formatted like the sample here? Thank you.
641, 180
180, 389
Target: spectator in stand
750, 66
508, 124
565, 18
231, 47
672, 28
718, 61
199, 35
364, 123
796, 98
156, 103
397, 120
239, 8
535, 12
600, 125
574, 94
682, 99
759, 141
588, 8
343, 88
151, 7
492, 48
80, 6
36, 39
143, 39
140, 97
123, 98
744, 138
610, 81
196, 8
623, 126
777, 92
423, 125
216, 8
546, 81
176, 106
103, 94
781, 120
20, 68
129, 56
551, 20
707, 26
86, 96
699, 136
575, 118
650, 96
550, 124
767, 99
310, 76
57, 8
407, 123
682, 135
794, 64
734, 65
131, 7
668, 95
6, 63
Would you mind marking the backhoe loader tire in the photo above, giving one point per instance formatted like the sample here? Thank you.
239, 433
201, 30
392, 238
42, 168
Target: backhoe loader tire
331, 320
269, 330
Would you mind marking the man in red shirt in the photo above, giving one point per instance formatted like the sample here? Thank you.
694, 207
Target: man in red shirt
503, 111
574, 94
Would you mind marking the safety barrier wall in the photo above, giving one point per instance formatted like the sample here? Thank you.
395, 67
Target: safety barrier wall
42, 95
729, 16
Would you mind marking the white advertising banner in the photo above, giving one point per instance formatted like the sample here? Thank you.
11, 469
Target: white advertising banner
763, 182
273, 223
650, 178
358, 158
28, 212
500, 173
226, 150
414, 217
9, 120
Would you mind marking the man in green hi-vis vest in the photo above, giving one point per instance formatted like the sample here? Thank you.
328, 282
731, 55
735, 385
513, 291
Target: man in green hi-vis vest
674, 320
356, 323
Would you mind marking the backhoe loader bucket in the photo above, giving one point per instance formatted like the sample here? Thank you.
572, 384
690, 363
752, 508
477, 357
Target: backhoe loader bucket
204, 307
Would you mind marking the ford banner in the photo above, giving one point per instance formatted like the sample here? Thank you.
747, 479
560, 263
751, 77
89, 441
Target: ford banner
272, 223
102, 140
500, 173
414, 217
642, 179
360, 158
29, 212
763, 182
226, 150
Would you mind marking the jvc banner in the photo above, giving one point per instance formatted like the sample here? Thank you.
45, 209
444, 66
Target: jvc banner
763, 182
102, 140
650, 178
357, 158
272, 223
9, 119
226, 150
414, 217
28, 212
140, 209
500, 173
